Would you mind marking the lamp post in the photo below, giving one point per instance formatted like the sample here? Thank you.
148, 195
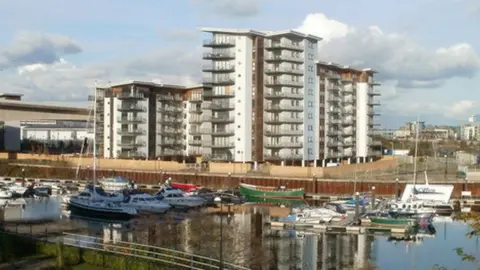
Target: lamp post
23, 177
219, 200
373, 197
230, 179
446, 167
314, 183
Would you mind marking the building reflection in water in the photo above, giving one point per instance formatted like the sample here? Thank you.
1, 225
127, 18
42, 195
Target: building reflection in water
246, 241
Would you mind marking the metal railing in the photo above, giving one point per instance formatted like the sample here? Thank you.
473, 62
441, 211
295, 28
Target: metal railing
169, 257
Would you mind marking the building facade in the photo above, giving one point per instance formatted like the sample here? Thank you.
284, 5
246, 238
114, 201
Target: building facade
144, 120
347, 110
263, 95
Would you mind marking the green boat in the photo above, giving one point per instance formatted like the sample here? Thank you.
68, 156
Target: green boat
393, 222
271, 192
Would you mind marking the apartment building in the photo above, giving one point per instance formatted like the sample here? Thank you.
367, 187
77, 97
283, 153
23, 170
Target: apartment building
143, 120
261, 106
347, 107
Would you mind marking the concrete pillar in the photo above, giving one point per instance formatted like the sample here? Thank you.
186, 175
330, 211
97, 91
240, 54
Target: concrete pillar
338, 251
323, 163
325, 265
349, 161
303, 163
255, 165
361, 252
315, 163
338, 160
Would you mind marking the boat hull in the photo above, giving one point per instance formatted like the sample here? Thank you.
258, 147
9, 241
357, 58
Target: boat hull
93, 212
269, 192
393, 222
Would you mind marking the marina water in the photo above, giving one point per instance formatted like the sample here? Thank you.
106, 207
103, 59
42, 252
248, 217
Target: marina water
247, 242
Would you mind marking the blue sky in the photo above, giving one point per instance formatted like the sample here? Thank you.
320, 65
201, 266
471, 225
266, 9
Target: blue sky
426, 51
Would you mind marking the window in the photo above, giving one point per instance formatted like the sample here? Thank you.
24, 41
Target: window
310, 92
239, 75
310, 115
310, 127
310, 151
310, 103
310, 80
310, 68
238, 126
310, 139
310, 56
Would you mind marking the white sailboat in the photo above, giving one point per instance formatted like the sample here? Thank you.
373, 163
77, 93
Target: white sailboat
95, 206
146, 203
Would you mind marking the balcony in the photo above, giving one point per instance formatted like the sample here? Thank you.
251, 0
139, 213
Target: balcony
218, 43
195, 131
169, 98
333, 132
373, 92
218, 69
333, 88
374, 83
281, 107
283, 95
372, 112
284, 70
130, 132
283, 58
130, 154
334, 121
196, 98
348, 90
217, 157
283, 46
170, 142
219, 106
130, 144
170, 110
283, 120
194, 109
172, 152
333, 76
131, 108
219, 119
348, 132
219, 56
131, 120
348, 153
334, 110
281, 144
375, 153
348, 100
373, 102
220, 144
283, 132
212, 94
334, 155
349, 110
334, 99
218, 81
348, 142
169, 131
333, 143
130, 95
171, 120
195, 120
374, 143
276, 157
280, 82
222, 132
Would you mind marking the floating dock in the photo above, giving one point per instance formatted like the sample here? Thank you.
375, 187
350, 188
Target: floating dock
337, 228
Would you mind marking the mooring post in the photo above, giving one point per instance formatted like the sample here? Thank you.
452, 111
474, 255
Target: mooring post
357, 207
396, 189
314, 184
373, 198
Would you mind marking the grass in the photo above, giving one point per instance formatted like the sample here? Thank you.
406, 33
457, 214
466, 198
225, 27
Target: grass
85, 266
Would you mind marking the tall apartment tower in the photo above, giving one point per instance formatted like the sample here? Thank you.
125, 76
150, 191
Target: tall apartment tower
143, 120
262, 101
347, 110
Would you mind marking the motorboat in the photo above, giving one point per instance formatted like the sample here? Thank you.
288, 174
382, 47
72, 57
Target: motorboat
177, 198
100, 194
5, 193
16, 189
411, 208
100, 208
144, 202
115, 184
441, 208
229, 197
313, 215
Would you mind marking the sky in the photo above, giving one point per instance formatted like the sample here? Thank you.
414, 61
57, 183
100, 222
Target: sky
426, 52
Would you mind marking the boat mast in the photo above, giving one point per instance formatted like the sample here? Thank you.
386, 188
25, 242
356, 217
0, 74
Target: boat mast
416, 151
94, 174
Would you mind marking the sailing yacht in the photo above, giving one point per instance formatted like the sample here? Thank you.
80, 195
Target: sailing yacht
95, 206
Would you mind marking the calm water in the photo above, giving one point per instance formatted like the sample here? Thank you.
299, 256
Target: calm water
247, 242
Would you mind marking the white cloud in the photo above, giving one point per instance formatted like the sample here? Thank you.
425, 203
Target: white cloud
461, 109
397, 56
231, 8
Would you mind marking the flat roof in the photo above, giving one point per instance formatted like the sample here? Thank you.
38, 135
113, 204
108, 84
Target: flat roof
345, 67
40, 106
10, 95
152, 84
258, 33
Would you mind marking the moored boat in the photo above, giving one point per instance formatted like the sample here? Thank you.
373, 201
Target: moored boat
187, 188
395, 222
271, 192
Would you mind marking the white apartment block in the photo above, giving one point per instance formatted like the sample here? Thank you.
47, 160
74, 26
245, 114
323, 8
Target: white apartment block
263, 102
143, 120
347, 110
